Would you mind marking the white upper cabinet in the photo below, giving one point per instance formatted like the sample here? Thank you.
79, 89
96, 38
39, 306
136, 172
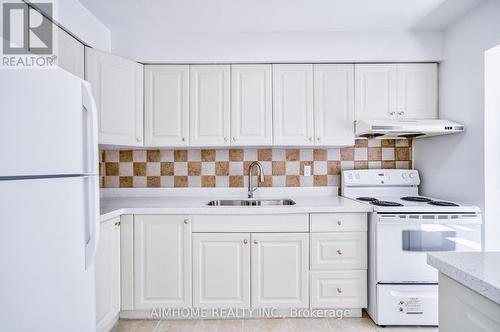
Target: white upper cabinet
417, 91
280, 266
221, 270
376, 90
166, 105
293, 104
396, 91
117, 85
162, 261
209, 105
251, 105
70, 53
334, 104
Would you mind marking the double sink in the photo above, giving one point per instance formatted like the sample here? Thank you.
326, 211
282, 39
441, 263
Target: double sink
252, 202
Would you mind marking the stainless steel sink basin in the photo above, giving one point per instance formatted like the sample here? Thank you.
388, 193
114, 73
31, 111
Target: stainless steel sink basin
251, 202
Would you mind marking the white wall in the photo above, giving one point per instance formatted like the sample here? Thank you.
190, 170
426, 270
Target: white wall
452, 166
492, 148
152, 46
77, 19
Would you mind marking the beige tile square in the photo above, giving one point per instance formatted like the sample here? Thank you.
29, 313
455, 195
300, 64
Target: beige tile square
139, 156
308, 163
292, 155
207, 168
388, 154
333, 154
374, 153
236, 155
153, 156
139, 181
153, 169
347, 153
222, 155
126, 181
180, 181
360, 154
293, 181
111, 169
361, 143
208, 181
278, 167
111, 182
126, 169
126, 156
333, 167
265, 154
388, 143
222, 168
140, 169
180, 168
319, 154
167, 181
320, 180
236, 181
166, 155
111, 156
306, 154
402, 154
222, 181
292, 168
361, 164
307, 181
194, 155
236, 168
153, 181
388, 164
279, 181
279, 154
320, 167
194, 181
250, 154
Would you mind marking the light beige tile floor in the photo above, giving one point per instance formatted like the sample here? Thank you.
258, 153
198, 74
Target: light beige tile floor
364, 324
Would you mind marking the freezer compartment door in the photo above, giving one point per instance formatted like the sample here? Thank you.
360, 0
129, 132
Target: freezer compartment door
44, 128
45, 230
407, 305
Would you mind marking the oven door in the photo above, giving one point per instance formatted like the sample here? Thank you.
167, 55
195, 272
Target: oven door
403, 241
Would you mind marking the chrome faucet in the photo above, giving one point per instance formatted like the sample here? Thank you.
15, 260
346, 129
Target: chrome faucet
251, 189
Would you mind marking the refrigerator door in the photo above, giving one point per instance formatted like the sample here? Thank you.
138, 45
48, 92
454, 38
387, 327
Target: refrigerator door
44, 127
46, 228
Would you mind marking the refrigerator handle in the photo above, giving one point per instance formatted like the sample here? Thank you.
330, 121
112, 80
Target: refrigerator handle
92, 148
92, 220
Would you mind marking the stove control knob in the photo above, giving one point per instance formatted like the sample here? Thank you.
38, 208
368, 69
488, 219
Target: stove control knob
412, 175
404, 175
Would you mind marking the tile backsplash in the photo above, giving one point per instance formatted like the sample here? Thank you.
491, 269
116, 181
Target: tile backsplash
283, 167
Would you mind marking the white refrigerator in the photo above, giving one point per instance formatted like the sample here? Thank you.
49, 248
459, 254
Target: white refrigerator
49, 201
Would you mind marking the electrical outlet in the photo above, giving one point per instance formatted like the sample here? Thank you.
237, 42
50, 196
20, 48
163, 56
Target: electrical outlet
307, 170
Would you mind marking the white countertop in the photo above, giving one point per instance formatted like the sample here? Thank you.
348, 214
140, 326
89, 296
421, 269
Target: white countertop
479, 271
115, 202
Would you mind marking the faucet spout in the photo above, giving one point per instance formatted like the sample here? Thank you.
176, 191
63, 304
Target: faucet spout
251, 189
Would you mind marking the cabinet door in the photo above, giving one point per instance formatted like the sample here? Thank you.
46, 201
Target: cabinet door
117, 85
376, 91
70, 53
209, 108
280, 265
251, 105
334, 104
221, 270
166, 105
338, 251
107, 275
339, 289
417, 91
293, 104
162, 261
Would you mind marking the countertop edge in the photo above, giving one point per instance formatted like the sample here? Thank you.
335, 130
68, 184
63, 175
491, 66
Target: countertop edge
478, 285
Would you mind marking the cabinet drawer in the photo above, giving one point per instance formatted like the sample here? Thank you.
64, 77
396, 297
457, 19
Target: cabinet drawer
339, 289
338, 222
338, 251
250, 223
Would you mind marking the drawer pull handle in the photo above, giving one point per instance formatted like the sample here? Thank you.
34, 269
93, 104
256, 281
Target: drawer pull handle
245, 241
339, 290
117, 223
255, 242
186, 221
339, 222
339, 251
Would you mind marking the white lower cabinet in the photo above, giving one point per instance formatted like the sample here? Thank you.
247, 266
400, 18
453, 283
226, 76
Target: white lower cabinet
338, 289
107, 275
221, 270
280, 265
162, 261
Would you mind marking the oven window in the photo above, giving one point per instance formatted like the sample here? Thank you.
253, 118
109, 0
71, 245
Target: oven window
420, 240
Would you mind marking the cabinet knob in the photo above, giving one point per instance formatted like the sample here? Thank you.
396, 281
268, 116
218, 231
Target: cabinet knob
186, 221
226, 139
117, 223
339, 222
392, 113
339, 251
138, 139
255, 242
401, 113
234, 139
319, 138
245, 241
184, 139
310, 138
339, 290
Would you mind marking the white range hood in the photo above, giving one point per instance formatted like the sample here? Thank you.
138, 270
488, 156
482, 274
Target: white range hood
406, 128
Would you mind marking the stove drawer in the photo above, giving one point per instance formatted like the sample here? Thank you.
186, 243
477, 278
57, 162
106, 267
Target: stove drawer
338, 222
338, 251
338, 289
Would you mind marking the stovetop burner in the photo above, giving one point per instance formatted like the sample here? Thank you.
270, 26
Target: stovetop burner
441, 203
416, 199
385, 203
366, 199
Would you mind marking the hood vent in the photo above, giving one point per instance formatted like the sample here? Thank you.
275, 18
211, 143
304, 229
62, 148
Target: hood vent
406, 128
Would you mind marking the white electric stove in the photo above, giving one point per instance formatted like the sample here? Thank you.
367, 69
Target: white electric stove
404, 227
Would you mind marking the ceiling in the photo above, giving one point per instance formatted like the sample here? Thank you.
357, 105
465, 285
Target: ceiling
233, 16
